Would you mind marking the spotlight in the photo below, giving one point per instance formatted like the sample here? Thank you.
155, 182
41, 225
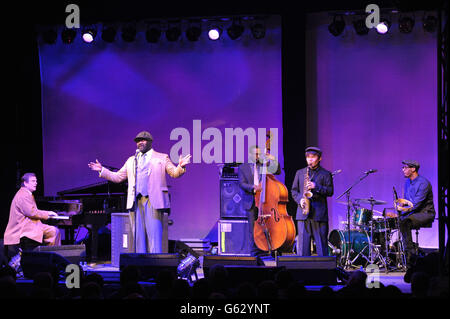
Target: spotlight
258, 30
214, 33
430, 24
89, 34
109, 34
235, 30
173, 32
68, 35
194, 31
49, 36
128, 33
360, 27
188, 267
153, 34
405, 24
337, 26
384, 26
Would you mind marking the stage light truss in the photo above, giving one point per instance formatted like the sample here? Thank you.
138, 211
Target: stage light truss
189, 29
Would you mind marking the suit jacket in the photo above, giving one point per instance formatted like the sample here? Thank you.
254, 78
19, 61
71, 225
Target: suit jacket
324, 188
24, 219
245, 174
158, 193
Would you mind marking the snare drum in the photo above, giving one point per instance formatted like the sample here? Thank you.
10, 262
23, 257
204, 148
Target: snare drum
362, 217
340, 244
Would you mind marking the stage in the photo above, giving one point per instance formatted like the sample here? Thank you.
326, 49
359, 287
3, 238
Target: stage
111, 276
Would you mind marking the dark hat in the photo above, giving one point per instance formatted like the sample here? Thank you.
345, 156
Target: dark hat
144, 135
411, 163
314, 150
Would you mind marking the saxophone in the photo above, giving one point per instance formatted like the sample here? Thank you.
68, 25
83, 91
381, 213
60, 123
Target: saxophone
307, 194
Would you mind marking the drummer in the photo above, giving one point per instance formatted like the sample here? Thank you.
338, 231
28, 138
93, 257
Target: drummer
418, 191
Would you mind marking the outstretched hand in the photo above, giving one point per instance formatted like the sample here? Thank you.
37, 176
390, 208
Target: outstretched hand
184, 160
95, 166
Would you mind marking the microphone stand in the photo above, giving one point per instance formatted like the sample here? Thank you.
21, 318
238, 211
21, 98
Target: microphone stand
348, 262
135, 200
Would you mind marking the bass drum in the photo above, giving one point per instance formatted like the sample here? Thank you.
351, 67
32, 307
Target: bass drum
338, 245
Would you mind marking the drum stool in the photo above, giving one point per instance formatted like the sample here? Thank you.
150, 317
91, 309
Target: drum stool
429, 225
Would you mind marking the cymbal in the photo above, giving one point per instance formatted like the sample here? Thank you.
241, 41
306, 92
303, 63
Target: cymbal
345, 203
370, 201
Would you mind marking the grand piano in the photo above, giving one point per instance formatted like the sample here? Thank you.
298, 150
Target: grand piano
89, 206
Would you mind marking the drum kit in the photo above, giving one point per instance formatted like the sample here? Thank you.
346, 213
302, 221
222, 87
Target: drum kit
368, 237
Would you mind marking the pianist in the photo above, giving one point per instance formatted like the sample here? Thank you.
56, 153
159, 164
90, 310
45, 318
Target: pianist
151, 190
25, 228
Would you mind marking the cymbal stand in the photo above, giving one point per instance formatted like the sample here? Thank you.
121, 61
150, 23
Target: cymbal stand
349, 263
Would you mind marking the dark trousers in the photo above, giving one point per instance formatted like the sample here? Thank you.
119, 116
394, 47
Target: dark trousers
252, 215
310, 229
406, 224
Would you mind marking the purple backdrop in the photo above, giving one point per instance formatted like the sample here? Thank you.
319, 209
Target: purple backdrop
97, 97
372, 103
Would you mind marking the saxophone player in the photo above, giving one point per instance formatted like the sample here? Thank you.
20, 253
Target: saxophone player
312, 185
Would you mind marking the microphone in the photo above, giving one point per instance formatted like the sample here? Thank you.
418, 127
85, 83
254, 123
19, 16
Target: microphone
336, 172
370, 171
137, 151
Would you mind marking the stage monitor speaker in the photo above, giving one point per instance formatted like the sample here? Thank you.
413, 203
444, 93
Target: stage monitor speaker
311, 270
233, 237
231, 199
150, 264
73, 253
211, 260
34, 262
238, 274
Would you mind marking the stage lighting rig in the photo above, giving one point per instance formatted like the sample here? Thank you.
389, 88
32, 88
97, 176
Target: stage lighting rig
88, 34
214, 33
129, 32
173, 32
430, 24
360, 27
384, 26
109, 34
194, 30
68, 35
406, 24
235, 30
337, 26
258, 30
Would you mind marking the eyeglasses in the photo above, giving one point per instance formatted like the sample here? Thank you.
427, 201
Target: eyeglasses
405, 167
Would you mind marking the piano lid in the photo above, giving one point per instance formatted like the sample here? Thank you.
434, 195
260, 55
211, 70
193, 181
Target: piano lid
104, 188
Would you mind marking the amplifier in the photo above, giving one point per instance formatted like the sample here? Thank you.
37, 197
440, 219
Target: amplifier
121, 237
233, 237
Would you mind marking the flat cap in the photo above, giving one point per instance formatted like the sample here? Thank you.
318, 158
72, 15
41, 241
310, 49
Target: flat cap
313, 149
411, 163
144, 135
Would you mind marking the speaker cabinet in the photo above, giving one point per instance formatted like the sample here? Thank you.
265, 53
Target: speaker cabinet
73, 253
311, 270
233, 237
121, 237
150, 264
231, 199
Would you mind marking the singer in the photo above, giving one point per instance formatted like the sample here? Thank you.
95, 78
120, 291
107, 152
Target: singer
148, 195
315, 223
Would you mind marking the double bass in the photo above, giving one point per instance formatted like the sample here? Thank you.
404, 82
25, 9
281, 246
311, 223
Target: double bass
274, 229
